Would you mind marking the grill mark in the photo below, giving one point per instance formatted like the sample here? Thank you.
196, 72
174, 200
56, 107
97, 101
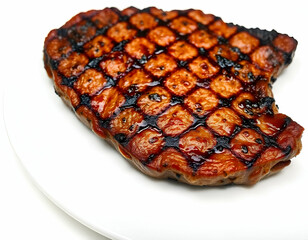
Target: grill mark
69, 82
265, 38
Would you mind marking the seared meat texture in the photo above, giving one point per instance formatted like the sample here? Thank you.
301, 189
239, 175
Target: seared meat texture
180, 94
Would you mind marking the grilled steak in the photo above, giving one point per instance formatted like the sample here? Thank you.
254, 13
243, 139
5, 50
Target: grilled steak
180, 94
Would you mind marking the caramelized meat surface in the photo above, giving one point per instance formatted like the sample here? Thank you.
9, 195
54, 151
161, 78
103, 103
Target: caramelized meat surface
180, 94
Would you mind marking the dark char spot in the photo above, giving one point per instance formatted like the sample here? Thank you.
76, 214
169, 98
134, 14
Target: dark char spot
120, 46
244, 149
85, 100
120, 137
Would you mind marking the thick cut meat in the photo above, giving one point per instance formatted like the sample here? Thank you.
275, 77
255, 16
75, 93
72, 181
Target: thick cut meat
180, 94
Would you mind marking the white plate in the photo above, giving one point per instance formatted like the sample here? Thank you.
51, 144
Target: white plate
89, 180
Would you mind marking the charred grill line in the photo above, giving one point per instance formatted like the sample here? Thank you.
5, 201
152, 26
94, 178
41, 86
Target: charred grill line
121, 138
247, 58
110, 81
224, 62
222, 143
266, 37
172, 142
69, 82
54, 64
151, 121
94, 63
104, 123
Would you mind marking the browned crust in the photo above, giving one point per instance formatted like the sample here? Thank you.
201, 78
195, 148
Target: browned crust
247, 176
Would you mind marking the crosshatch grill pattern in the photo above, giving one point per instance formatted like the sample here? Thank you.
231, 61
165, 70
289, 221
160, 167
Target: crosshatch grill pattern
181, 94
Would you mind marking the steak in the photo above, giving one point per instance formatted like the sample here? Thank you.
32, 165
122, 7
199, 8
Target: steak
180, 94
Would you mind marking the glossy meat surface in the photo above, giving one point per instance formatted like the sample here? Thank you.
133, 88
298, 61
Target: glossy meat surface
180, 94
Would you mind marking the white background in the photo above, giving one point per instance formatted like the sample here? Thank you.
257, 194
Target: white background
25, 213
